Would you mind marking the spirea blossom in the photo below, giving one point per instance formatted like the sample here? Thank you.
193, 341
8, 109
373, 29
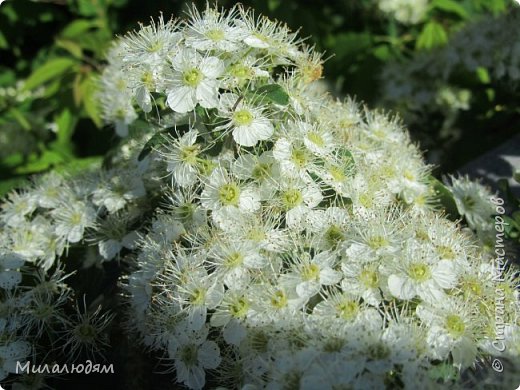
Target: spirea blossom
268, 235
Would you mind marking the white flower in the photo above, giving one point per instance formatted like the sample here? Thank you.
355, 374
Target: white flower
473, 202
263, 169
318, 140
248, 122
261, 233
9, 274
48, 190
362, 279
72, 219
149, 45
310, 274
222, 190
418, 273
121, 187
192, 353
17, 207
197, 295
12, 353
262, 33
294, 158
166, 228
182, 158
212, 30
275, 302
229, 315
297, 199
111, 247
143, 80
193, 80
234, 259
329, 225
243, 70
405, 11
451, 330
346, 309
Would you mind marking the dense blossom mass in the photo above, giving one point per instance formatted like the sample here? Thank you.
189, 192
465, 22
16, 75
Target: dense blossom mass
276, 237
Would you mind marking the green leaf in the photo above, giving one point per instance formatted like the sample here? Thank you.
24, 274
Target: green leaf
382, 52
80, 164
160, 138
66, 123
273, 93
450, 6
7, 185
432, 35
516, 176
445, 197
273, 4
3, 42
72, 47
20, 118
77, 28
41, 163
48, 71
483, 75
90, 101
346, 46
89, 7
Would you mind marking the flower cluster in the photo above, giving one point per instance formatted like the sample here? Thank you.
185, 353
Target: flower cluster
47, 232
302, 243
424, 84
284, 239
405, 11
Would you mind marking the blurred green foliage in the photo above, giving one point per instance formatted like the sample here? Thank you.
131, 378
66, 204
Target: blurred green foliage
52, 52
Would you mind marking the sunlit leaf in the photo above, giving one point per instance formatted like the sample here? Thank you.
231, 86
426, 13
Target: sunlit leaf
432, 35
48, 71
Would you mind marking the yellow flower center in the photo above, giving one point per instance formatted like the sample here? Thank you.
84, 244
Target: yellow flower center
75, 218
454, 325
197, 296
292, 198
215, 35
189, 154
445, 252
377, 242
189, 355
192, 77
299, 157
243, 118
261, 171
155, 46
337, 173
334, 235
366, 201
347, 309
234, 260
241, 71
229, 194
419, 272
148, 81
239, 308
310, 272
369, 278
279, 299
